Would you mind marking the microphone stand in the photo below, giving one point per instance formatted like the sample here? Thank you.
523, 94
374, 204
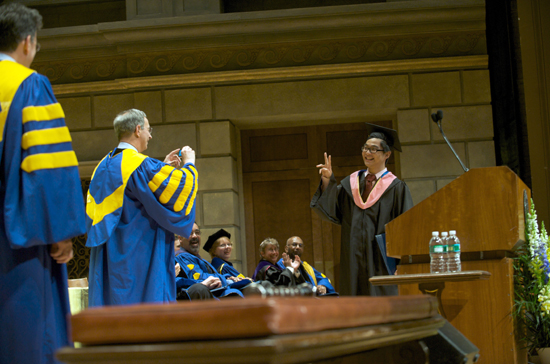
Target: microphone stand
437, 117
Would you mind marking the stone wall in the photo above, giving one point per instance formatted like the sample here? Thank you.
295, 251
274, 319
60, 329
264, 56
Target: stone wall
427, 163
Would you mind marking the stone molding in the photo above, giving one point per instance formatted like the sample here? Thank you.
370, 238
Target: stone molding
279, 74
258, 40
262, 56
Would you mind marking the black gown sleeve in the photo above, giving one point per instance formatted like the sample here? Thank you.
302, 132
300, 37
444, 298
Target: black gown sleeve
402, 200
326, 203
281, 278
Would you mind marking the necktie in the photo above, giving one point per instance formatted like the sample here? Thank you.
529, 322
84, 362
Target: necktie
369, 181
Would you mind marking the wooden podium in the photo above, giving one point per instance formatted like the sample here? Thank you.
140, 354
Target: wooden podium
486, 207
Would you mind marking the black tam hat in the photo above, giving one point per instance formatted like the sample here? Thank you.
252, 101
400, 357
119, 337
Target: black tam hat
390, 135
212, 239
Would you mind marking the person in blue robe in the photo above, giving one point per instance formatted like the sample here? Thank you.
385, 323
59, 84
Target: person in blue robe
219, 247
41, 199
363, 203
295, 248
195, 269
135, 204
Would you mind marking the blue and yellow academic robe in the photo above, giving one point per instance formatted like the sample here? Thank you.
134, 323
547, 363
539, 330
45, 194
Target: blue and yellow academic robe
135, 204
195, 270
41, 204
226, 268
312, 276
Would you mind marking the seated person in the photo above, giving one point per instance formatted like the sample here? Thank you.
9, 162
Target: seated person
194, 269
268, 270
295, 248
177, 245
197, 291
219, 247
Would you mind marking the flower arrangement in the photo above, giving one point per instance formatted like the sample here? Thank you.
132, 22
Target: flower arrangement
532, 286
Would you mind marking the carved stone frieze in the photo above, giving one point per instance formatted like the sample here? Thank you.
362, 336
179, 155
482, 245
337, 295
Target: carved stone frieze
81, 70
193, 61
220, 59
261, 56
270, 74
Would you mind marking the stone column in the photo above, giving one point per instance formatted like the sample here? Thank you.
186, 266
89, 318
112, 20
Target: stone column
219, 187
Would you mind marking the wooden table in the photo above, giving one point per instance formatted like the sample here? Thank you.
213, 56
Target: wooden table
254, 330
431, 283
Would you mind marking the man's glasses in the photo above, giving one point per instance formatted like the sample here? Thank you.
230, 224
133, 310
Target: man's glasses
371, 150
295, 245
150, 129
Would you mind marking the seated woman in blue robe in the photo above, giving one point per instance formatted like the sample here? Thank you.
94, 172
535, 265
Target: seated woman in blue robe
268, 270
220, 247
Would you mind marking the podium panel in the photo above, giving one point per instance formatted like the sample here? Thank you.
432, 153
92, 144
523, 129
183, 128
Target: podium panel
484, 206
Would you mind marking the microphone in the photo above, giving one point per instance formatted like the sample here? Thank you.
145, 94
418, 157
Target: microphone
437, 118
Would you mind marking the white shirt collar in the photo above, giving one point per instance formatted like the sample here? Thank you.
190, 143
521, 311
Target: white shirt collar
124, 145
379, 174
5, 57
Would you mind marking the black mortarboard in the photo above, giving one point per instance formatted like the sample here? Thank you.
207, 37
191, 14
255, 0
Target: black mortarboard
212, 239
391, 135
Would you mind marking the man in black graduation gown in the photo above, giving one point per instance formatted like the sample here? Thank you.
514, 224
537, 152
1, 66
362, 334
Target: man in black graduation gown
363, 203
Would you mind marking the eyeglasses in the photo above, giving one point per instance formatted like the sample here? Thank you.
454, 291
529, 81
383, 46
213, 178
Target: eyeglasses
295, 245
150, 129
371, 150
223, 246
196, 232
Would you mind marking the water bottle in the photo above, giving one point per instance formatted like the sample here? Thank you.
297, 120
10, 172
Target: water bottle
444, 237
453, 252
437, 254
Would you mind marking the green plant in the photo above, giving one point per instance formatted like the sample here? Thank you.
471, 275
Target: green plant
532, 287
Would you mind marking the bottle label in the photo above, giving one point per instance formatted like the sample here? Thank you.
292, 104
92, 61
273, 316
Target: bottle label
438, 249
455, 248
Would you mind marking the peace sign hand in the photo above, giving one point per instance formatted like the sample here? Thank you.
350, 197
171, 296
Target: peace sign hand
325, 169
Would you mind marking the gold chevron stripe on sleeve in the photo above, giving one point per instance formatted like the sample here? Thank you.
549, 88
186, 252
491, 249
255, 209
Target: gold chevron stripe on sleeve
45, 136
172, 186
37, 162
195, 189
158, 178
190, 182
43, 113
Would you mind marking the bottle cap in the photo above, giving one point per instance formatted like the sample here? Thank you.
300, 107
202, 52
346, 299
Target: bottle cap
444, 233
452, 232
435, 233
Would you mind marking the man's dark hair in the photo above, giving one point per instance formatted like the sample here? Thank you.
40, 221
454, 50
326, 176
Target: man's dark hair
384, 141
16, 23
